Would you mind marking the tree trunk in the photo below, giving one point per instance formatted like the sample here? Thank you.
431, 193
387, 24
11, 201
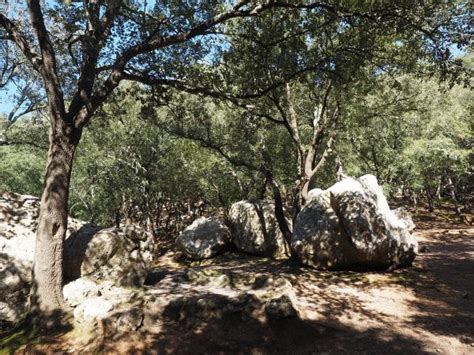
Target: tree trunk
429, 197
300, 196
279, 212
452, 192
47, 294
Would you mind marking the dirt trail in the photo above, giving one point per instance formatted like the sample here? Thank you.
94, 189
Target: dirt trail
427, 308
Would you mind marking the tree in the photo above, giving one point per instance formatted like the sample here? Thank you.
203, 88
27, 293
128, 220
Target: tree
83, 50
412, 133
145, 176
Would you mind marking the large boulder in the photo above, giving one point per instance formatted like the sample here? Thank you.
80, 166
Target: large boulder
204, 238
317, 237
351, 224
14, 290
255, 229
104, 254
117, 254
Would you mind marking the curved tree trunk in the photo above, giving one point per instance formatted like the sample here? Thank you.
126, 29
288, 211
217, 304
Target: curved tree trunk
47, 294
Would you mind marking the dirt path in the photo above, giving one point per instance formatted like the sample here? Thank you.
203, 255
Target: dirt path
427, 308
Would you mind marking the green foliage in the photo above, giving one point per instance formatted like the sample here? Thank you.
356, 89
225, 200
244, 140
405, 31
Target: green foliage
128, 168
22, 170
23, 150
137, 157
411, 134
146, 150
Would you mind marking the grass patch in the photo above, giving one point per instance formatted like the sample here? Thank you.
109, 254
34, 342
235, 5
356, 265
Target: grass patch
10, 343
31, 333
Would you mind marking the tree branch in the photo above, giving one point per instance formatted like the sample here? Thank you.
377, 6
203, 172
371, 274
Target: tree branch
47, 68
16, 36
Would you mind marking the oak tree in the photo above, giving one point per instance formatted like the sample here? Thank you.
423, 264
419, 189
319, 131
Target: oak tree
81, 50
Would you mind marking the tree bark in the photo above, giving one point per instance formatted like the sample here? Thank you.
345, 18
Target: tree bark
279, 211
47, 294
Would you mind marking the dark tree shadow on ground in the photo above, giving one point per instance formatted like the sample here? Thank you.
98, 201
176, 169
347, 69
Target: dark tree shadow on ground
443, 281
33, 327
211, 324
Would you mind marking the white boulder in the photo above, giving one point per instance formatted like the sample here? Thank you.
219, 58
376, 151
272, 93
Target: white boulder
351, 224
255, 229
204, 238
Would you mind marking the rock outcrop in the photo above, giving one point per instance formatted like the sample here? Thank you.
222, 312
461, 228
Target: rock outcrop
15, 277
104, 254
204, 238
214, 296
117, 308
350, 224
116, 254
255, 229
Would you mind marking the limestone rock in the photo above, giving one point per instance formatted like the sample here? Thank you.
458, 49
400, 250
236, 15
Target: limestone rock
351, 224
104, 254
255, 229
282, 307
403, 214
92, 309
117, 309
267, 298
118, 254
18, 215
14, 290
204, 238
317, 237
113, 256
125, 320
79, 290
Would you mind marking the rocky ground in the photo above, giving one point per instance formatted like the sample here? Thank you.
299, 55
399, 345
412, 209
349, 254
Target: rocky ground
244, 304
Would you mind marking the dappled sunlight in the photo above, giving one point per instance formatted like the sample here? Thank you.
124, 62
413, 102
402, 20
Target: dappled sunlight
197, 163
447, 270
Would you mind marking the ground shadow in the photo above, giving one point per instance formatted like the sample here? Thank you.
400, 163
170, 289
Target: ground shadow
208, 324
443, 282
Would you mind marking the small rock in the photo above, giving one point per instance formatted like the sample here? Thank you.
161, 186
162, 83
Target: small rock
281, 307
92, 309
126, 320
79, 290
